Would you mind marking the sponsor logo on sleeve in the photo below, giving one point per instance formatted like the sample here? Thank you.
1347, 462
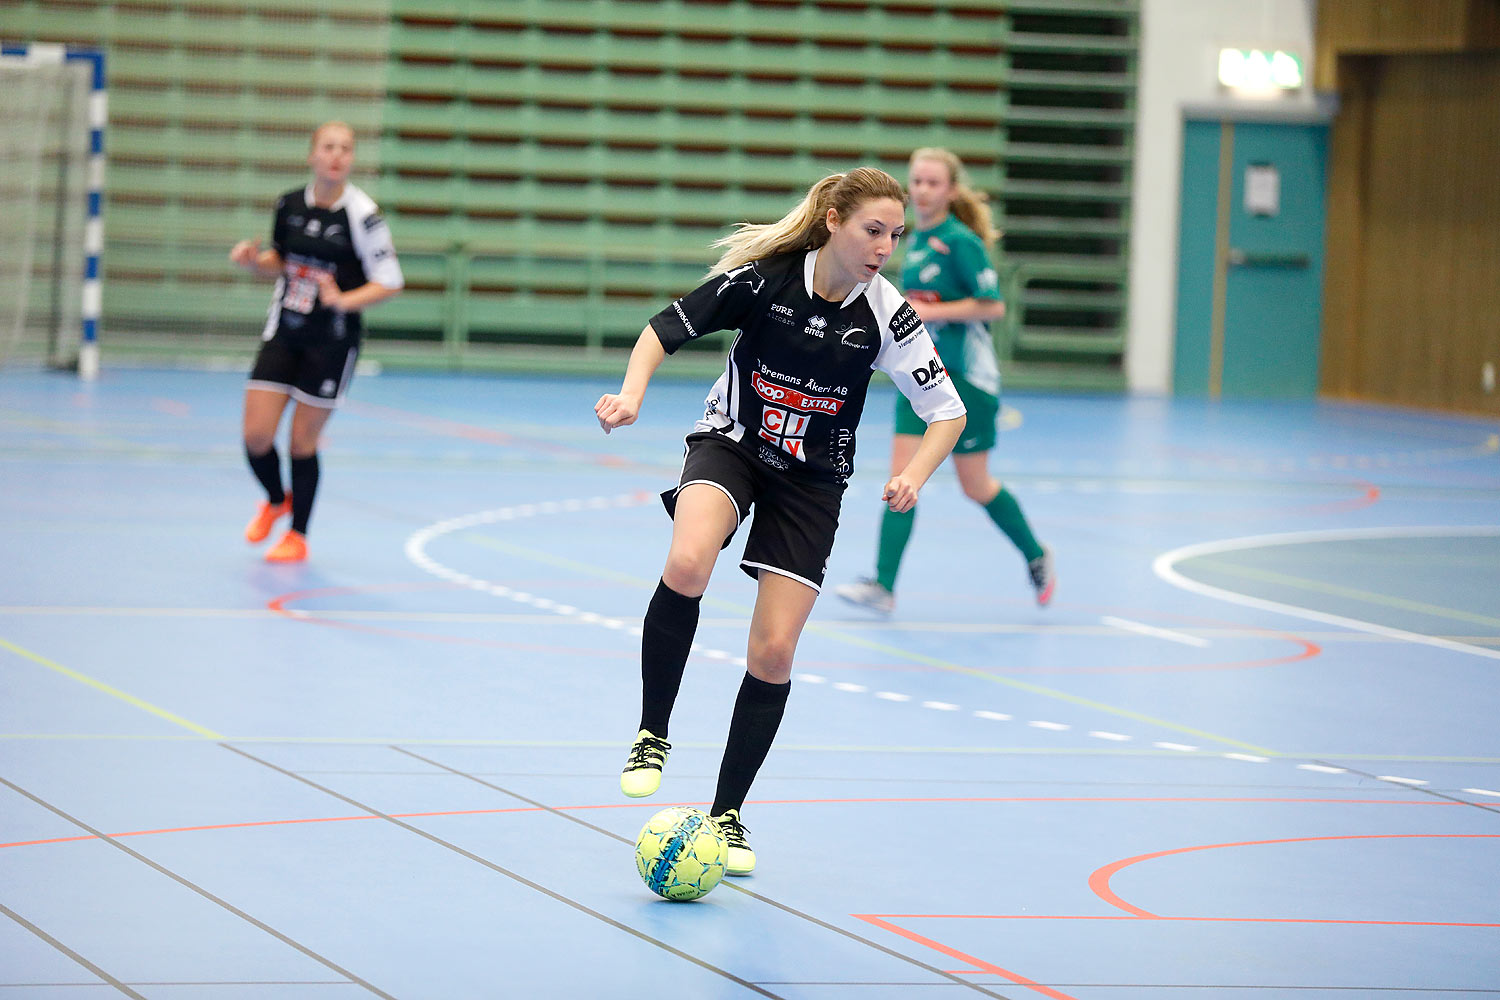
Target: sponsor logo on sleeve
372, 222
686, 323
988, 280
933, 374
905, 324
745, 274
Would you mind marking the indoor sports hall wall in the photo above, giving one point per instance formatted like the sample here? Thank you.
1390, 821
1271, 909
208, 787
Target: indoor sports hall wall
553, 170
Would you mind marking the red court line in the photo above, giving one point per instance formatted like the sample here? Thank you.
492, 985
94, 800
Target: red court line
977, 963
1099, 880
664, 805
1180, 920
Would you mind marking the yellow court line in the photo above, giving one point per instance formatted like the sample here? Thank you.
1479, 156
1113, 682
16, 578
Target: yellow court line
113, 692
838, 635
1369, 597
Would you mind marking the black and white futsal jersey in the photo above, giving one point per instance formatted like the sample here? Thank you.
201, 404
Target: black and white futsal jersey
348, 240
794, 386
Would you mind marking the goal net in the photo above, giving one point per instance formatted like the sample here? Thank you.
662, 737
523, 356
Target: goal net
51, 168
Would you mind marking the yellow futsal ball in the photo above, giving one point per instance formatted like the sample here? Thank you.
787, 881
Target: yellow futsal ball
681, 853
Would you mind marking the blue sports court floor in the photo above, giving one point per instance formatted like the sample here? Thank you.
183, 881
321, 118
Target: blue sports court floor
1252, 749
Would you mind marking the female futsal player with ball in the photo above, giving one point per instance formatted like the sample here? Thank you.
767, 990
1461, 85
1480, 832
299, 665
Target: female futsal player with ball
814, 319
331, 256
949, 281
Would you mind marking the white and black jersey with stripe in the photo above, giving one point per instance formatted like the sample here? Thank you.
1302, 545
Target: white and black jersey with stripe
348, 240
798, 371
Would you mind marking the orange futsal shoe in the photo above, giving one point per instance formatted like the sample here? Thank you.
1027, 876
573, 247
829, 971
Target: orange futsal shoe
265, 516
291, 548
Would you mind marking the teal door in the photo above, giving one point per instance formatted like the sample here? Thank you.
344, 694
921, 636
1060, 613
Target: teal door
1250, 259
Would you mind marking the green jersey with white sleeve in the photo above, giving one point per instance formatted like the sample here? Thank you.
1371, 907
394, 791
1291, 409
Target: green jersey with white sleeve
945, 263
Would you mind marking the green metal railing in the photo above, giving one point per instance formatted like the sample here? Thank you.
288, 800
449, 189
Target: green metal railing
555, 169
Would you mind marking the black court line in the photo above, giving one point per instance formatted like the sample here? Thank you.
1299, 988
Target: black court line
1433, 792
206, 982
477, 859
934, 970
54, 942
180, 880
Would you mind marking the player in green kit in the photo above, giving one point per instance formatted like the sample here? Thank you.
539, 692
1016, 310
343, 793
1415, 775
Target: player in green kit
949, 280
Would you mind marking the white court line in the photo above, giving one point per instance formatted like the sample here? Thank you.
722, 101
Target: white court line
1164, 567
1482, 791
1160, 633
416, 552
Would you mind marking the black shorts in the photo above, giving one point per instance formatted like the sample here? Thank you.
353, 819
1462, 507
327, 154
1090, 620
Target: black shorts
795, 520
312, 370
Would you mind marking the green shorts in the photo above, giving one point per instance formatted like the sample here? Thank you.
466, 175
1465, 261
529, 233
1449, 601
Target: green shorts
979, 431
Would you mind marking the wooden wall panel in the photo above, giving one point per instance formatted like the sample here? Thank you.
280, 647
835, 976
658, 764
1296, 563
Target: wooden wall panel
1394, 25
1414, 233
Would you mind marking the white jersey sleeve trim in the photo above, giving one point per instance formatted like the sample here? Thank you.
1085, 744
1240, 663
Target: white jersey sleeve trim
908, 356
372, 239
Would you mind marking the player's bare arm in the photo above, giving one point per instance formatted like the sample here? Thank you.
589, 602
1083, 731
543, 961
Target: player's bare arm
901, 489
249, 255
619, 409
354, 299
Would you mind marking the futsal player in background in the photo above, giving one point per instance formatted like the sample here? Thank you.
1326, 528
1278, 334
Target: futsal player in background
331, 255
948, 279
814, 320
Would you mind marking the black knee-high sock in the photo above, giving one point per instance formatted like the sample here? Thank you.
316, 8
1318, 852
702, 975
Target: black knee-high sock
666, 636
757, 716
267, 469
304, 488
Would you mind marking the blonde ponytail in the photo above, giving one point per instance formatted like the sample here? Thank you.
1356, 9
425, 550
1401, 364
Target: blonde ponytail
806, 226
970, 206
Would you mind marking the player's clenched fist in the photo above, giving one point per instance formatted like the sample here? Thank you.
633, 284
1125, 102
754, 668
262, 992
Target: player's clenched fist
616, 411
245, 252
900, 494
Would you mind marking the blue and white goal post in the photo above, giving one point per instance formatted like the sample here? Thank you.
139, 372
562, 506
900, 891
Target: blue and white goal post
52, 203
